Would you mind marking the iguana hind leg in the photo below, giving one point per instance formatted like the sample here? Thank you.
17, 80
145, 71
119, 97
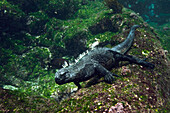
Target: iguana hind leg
136, 60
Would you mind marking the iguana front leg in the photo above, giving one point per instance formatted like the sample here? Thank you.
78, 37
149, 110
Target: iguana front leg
92, 69
101, 71
78, 85
136, 60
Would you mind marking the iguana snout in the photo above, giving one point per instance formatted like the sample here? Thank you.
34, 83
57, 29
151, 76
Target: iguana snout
61, 76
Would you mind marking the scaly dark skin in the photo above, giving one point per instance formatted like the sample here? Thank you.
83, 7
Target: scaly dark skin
98, 62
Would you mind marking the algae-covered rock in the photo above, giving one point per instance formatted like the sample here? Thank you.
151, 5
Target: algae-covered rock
114, 5
102, 26
139, 89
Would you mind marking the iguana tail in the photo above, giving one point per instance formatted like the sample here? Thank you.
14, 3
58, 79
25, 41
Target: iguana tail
125, 45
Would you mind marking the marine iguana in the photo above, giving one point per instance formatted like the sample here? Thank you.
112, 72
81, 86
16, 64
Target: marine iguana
98, 62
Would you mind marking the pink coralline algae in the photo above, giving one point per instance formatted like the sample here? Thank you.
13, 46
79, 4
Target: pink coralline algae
125, 70
118, 108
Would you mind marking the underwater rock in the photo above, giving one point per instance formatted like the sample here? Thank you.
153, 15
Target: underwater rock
114, 5
134, 15
62, 95
163, 52
102, 26
77, 44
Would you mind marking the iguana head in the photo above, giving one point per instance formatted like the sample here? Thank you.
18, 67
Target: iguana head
62, 76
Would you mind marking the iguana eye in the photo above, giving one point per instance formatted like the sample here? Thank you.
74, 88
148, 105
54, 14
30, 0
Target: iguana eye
63, 72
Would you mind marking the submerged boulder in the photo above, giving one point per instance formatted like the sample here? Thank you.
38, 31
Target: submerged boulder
138, 88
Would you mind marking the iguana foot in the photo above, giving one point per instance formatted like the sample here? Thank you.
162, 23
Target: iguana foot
151, 66
148, 64
109, 78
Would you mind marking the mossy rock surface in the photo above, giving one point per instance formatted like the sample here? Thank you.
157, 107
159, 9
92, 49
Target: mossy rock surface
140, 90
